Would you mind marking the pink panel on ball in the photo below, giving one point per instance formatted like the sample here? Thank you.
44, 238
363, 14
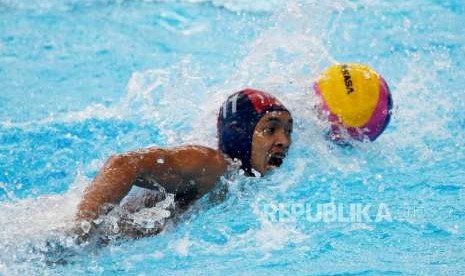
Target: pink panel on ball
376, 124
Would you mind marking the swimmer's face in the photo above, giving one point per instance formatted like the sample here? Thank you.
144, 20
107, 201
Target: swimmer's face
271, 141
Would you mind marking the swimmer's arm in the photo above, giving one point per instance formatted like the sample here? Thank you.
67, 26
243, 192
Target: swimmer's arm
175, 169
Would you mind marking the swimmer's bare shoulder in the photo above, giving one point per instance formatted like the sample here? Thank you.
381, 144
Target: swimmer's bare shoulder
178, 170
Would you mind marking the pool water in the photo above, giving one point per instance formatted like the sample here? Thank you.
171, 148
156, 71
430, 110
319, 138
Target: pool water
81, 80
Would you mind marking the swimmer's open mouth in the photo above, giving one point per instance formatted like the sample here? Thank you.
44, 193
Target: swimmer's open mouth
276, 160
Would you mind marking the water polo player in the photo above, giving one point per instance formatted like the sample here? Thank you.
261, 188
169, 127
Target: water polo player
253, 127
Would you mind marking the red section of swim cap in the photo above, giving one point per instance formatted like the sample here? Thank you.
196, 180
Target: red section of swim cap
261, 100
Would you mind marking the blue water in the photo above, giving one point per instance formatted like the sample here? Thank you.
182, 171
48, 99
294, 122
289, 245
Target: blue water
81, 80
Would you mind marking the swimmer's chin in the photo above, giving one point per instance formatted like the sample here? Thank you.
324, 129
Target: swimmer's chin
271, 167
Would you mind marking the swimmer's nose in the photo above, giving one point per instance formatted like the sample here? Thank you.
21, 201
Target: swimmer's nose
283, 140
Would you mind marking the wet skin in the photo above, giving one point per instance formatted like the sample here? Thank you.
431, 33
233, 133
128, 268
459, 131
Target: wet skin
189, 172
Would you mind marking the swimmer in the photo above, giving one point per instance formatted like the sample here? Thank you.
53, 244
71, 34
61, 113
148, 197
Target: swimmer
253, 128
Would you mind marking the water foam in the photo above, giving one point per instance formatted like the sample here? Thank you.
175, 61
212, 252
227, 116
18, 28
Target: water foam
285, 60
49, 5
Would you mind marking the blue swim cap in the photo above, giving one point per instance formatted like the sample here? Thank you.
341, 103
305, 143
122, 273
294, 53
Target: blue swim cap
237, 119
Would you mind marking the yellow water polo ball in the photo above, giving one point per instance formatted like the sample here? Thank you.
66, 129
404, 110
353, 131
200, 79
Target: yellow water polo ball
355, 99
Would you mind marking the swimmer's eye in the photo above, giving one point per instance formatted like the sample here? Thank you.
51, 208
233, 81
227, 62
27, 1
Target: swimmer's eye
269, 130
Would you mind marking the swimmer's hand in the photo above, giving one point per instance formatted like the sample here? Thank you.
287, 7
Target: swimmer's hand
178, 170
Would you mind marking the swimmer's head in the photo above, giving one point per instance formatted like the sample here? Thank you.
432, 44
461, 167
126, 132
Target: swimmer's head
255, 128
